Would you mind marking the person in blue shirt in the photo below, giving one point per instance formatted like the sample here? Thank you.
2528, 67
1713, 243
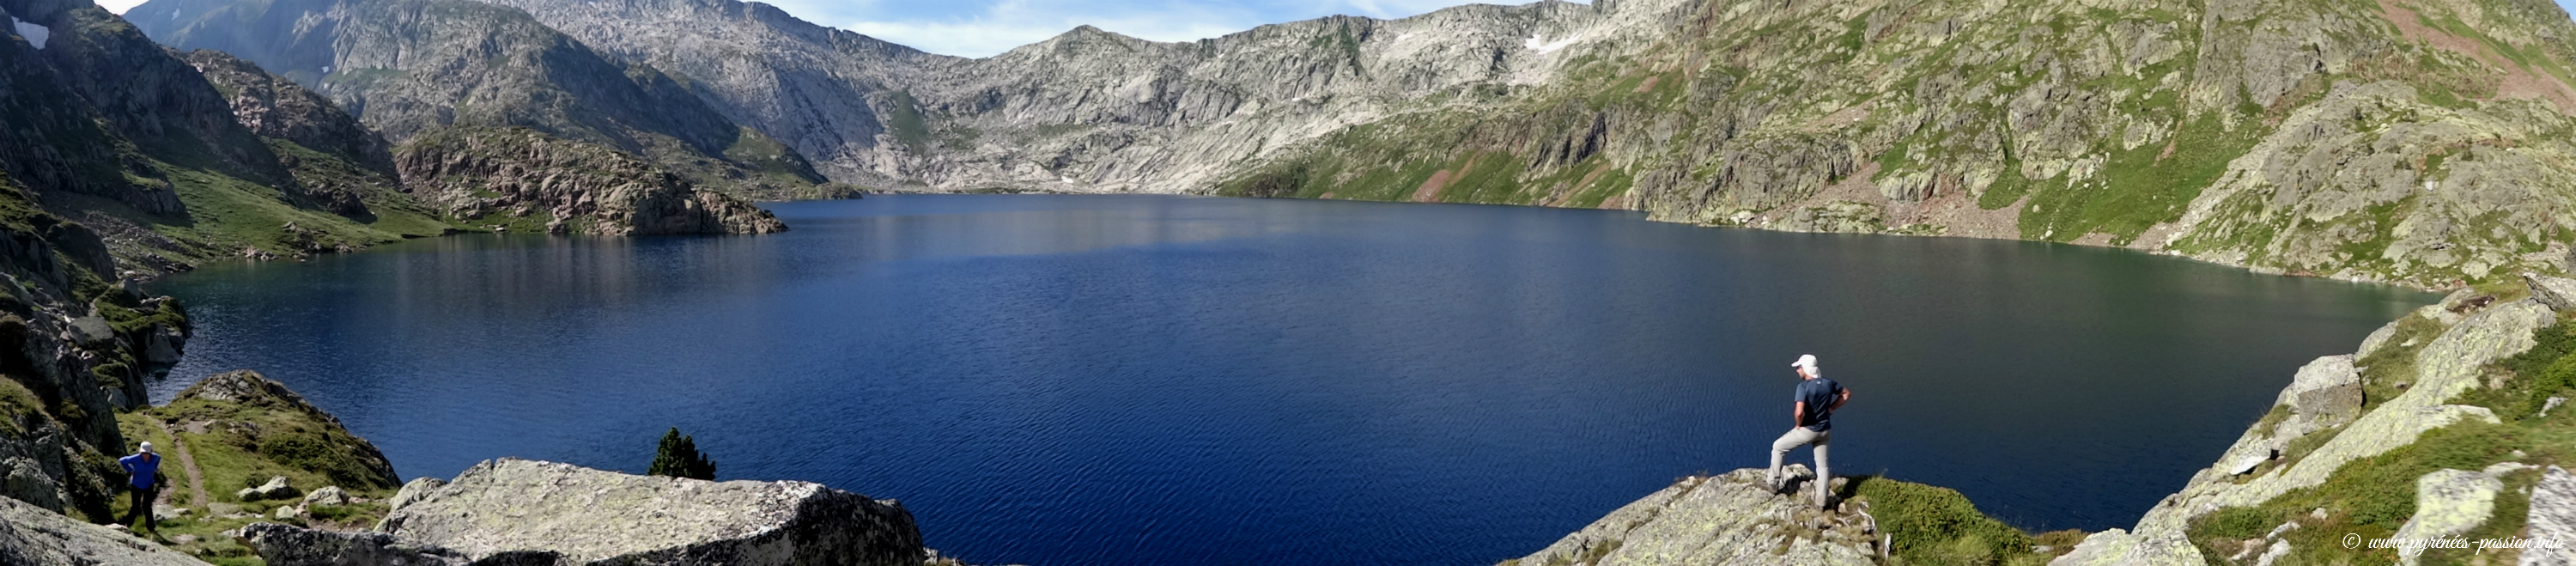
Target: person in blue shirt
142, 482
1813, 423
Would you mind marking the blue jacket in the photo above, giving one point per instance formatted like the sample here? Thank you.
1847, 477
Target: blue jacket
142, 469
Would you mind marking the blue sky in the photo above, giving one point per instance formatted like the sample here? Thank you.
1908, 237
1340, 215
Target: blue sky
981, 28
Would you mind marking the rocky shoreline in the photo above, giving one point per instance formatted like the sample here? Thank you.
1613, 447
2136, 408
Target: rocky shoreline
2288, 491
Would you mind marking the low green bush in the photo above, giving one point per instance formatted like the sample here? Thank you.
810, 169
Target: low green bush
1937, 525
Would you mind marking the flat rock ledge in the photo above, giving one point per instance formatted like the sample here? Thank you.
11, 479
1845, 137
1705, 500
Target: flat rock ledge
1726, 519
512, 512
34, 536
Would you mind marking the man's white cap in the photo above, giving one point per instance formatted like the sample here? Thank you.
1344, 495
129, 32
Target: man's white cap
1804, 361
147, 447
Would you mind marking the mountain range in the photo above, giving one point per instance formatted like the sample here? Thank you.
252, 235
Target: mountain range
2422, 142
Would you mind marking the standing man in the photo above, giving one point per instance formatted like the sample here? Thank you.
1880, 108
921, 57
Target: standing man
142, 477
1813, 421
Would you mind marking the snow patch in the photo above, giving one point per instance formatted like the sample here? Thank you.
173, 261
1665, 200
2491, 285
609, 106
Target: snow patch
1402, 37
1535, 43
35, 34
1067, 180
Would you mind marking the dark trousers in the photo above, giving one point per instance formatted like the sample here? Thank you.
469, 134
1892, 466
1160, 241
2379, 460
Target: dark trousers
142, 499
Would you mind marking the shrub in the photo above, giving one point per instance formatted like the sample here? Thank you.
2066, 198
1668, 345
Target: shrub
2240, 522
678, 457
1937, 525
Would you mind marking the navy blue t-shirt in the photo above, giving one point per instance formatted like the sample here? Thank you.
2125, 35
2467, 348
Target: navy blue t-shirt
1819, 395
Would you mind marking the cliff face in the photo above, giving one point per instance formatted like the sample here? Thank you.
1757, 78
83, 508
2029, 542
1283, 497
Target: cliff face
407, 66
74, 350
520, 179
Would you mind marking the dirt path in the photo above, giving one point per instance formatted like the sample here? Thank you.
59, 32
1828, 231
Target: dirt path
196, 480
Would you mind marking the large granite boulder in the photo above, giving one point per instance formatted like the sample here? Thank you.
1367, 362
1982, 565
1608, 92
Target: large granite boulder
512, 511
1734, 518
34, 536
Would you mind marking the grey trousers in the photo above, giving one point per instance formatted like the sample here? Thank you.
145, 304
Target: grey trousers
1800, 436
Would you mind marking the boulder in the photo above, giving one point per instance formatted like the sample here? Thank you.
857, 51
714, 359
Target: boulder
34, 536
2327, 391
328, 495
1733, 518
2557, 292
287, 545
2448, 502
2553, 517
276, 488
411, 492
522, 511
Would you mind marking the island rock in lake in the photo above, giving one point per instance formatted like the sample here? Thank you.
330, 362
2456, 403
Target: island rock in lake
531, 512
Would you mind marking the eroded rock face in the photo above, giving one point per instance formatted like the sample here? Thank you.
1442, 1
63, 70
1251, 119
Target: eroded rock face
528, 512
518, 176
33, 536
1728, 519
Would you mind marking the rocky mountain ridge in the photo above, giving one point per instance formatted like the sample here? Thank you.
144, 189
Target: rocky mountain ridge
405, 67
2420, 142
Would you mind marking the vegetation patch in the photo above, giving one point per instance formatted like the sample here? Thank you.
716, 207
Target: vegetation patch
2137, 188
1938, 525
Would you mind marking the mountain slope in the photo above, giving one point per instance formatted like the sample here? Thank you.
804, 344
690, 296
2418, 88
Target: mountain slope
407, 66
822, 91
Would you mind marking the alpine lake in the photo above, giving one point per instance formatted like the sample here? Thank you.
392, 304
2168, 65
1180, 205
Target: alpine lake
1178, 380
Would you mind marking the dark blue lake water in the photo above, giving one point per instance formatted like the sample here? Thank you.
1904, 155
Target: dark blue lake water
1066, 380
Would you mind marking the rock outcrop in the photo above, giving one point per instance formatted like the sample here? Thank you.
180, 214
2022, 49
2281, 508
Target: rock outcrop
2256, 469
34, 536
513, 511
1727, 519
245, 411
521, 179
